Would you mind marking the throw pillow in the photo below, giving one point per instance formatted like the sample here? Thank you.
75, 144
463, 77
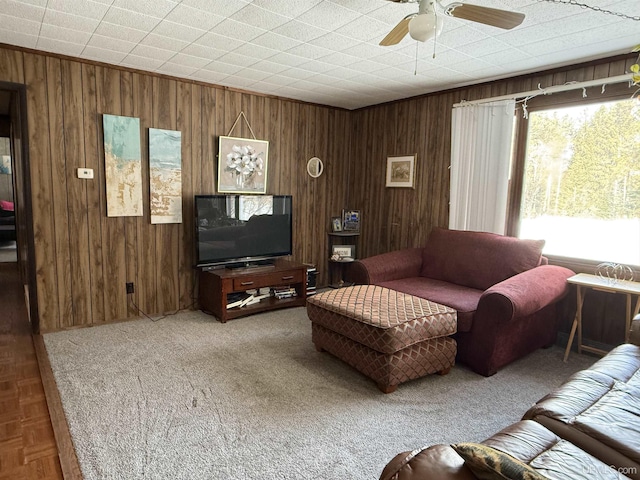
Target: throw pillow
487, 463
6, 205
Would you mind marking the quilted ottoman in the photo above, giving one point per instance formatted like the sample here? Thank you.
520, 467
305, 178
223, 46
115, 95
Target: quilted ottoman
387, 335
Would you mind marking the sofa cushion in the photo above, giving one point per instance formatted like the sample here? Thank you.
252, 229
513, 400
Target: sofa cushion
477, 259
598, 409
462, 299
488, 463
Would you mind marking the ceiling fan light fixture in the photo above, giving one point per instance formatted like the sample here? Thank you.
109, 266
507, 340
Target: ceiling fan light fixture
424, 26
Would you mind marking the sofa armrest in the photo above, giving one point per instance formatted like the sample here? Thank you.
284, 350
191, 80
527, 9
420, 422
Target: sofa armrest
525, 293
634, 334
438, 462
394, 265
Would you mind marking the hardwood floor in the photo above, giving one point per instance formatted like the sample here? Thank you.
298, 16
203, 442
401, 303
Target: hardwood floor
27, 443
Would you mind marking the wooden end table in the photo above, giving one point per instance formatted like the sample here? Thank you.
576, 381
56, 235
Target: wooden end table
583, 281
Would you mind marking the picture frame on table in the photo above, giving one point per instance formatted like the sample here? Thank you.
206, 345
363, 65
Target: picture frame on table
400, 171
351, 220
336, 224
343, 253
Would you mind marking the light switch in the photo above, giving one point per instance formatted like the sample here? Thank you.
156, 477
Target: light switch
85, 173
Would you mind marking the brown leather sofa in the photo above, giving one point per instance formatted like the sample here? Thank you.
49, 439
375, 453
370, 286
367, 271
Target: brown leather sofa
505, 294
588, 428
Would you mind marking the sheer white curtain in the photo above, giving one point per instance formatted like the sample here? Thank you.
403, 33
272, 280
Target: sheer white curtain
481, 137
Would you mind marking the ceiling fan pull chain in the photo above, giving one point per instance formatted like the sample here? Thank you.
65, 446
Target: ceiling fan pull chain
595, 9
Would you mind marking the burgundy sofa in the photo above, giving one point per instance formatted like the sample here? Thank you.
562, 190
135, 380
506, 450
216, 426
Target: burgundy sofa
585, 429
504, 292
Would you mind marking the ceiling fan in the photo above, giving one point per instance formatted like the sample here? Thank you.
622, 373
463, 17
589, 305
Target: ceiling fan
427, 22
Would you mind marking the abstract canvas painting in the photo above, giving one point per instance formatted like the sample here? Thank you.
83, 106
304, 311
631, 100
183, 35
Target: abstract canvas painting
5, 164
165, 175
123, 166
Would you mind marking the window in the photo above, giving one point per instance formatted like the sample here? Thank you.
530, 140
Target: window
581, 183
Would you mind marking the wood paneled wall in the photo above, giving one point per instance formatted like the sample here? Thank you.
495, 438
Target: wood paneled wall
395, 218
83, 258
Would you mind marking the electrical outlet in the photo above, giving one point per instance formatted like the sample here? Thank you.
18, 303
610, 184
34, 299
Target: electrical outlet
130, 288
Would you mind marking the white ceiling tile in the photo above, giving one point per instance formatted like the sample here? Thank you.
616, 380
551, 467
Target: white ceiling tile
269, 67
332, 42
297, 73
299, 31
219, 42
203, 51
238, 59
152, 8
131, 19
177, 31
163, 43
253, 74
110, 43
86, 8
366, 66
222, 67
325, 51
152, 52
18, 38
225, 8
209, 76
16, 24
364, 50
288, 59
257, 52
317, 67
35, 3
59, 46
191, 17
69, 21
65, 34
237, 30
238, 81
22, 10
328, 16
279, 80
287, 8
338, 59
189, 61
252, 15
103, 55
141, 62
175, 69
308, 51
364, 29
111, 30
273, 41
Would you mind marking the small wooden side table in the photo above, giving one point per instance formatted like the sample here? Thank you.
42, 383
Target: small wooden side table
585, 280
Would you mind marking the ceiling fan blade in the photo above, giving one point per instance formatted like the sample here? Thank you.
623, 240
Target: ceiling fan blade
489, 16
397, 33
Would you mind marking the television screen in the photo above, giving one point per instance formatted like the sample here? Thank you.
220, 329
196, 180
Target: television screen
242, 228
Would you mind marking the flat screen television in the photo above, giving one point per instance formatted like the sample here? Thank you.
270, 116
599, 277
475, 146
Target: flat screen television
239, 230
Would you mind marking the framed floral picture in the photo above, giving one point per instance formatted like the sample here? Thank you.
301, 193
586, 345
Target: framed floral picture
242, 165
400, 171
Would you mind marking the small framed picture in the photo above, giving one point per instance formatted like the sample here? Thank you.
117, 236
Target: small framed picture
351, 220
400, 171
336, 224
343, 253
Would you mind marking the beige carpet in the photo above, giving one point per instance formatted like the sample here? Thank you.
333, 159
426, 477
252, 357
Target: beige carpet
187, 397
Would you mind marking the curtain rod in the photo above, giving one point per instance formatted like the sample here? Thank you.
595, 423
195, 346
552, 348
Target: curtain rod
549, 90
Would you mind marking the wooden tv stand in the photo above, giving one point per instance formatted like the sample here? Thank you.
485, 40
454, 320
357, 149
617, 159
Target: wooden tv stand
215, 285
